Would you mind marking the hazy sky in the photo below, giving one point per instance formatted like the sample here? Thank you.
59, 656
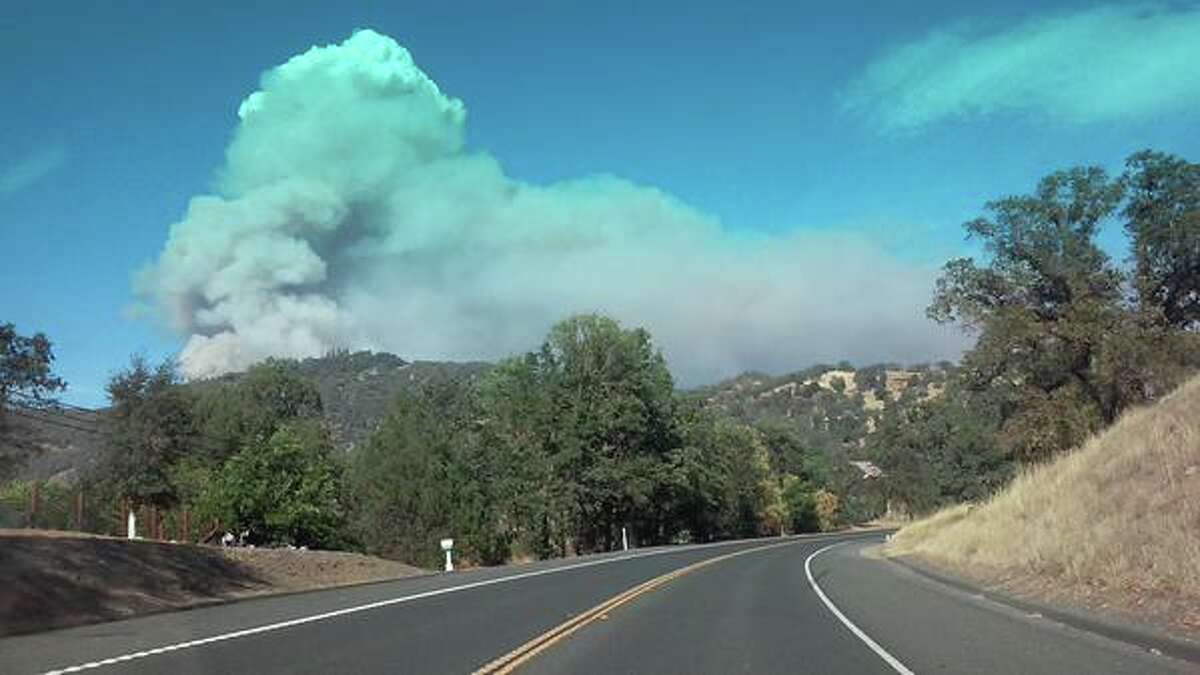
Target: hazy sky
764, 185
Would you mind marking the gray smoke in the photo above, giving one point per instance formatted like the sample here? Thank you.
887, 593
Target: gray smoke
351, 215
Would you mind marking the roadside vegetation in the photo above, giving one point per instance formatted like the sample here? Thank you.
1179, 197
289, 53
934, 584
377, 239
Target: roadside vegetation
575, 447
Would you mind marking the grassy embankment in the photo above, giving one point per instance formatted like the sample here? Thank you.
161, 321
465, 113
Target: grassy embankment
1114, 524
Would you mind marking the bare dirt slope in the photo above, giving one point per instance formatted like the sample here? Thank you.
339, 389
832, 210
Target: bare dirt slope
57, 579
1112, 526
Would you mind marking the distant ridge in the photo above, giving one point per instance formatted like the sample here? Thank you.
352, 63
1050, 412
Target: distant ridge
831, 407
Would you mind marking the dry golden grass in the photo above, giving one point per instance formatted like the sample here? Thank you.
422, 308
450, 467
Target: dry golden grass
1118, 517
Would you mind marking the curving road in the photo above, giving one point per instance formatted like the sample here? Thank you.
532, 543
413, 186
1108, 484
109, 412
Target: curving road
819, 604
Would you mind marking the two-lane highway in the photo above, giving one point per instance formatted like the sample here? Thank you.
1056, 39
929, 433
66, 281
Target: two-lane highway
761, 614
756, 611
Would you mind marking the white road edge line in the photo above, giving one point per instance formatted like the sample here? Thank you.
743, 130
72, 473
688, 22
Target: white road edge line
879, 651
384, 603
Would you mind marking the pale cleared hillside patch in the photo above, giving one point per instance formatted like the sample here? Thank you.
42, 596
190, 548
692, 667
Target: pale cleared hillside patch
1118, 518
846, 376
871, 402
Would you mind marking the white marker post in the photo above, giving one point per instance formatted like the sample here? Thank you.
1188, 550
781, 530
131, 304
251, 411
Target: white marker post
624, 540
131, 526
448, 546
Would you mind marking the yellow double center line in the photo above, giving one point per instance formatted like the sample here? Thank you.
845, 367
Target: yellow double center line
526, 652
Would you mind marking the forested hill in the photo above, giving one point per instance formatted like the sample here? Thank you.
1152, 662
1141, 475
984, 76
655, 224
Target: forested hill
356, 392
357, 388
829, 409
826, 404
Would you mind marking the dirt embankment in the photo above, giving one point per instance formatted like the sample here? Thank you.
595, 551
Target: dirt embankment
58, 579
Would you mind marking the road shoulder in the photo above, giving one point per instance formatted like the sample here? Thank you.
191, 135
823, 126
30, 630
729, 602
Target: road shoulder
1138, 635
931, 626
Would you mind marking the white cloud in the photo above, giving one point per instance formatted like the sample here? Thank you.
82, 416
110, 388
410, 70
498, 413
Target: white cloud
350, 215
1100, 64
31, 169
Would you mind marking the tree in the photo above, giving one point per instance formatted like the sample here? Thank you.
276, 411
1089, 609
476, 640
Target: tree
597, 415
555, 452
27, 379
524, 433
828, 508
942, 451
148, 427
252, 407
793, 454
1042, 254
284, 489
801, 502
694, 497
425, 476
1163, 222
1044, 305
753, 494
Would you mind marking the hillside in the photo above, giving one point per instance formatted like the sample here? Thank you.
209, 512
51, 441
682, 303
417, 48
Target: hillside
830, 408
358, 387
828, 404
1110, 525
62, 441
356, 390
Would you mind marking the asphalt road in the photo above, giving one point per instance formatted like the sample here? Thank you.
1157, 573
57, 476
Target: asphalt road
755, 612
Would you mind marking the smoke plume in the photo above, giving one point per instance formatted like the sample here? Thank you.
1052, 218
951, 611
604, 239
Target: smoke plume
350, 213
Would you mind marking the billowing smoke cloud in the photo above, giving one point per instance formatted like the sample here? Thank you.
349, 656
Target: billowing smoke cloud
350, 214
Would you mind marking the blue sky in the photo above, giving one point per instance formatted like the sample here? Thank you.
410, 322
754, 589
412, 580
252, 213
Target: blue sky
893, 123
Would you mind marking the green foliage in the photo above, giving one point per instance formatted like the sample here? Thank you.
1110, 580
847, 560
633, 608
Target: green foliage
285, 489
556, 451
357, 388
55, 505
753, 503
249, 452
26, 367
1042, 254
596, 419
251, 408
813, 432
1060, 351
27, 379
425, 476
1163, 222
943, 451
793, 452
194, 480
801, 501
149, 426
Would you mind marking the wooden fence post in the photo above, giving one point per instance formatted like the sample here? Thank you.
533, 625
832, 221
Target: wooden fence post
79, 510
33, 504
